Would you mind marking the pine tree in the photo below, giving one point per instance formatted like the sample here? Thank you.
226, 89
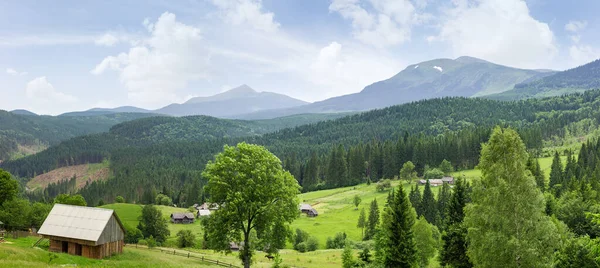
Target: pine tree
454, 245
373, 221
507, 225
534, 166
415, 200
556, 174
428, 205
311, 172
444, 196
362, 222
395, 242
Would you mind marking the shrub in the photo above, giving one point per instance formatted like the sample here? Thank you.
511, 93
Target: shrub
301, 247
312, 244
164, 200
383, 185
142, 242
300, 237
186, 239
337, 242
119, 199
151, 242
132, 235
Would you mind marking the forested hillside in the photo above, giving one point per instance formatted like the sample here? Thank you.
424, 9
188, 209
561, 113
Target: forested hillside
578, 79
321, 155
18, 132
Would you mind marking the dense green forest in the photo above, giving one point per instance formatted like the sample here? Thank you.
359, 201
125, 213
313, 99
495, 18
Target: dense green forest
165, 155
43, 131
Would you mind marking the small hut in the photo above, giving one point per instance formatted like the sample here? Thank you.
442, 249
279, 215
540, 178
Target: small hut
184, 218
89, 232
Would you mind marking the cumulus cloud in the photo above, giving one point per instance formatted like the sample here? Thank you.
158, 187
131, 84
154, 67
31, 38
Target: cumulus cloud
14, 72
386, 23
41, 91
502, 31
107, 39
338, 70
580, 53
247, 12
154, 70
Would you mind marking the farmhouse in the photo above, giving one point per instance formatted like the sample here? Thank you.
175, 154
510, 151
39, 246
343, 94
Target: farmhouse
438, 182
208, 206
203, 213
448, 180
182, 218
89, 232
308, 210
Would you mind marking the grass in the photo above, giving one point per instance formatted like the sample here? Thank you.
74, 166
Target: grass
19, 253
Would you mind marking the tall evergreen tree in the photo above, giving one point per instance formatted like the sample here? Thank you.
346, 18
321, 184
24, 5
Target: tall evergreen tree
362, 222
373, 221
454, 241
311, 172
395, 242
428, 205
534, 166
507, 225
416, 199
444, 196
556, 174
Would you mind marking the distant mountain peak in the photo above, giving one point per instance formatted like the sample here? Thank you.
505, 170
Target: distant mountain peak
243, 89
469, 59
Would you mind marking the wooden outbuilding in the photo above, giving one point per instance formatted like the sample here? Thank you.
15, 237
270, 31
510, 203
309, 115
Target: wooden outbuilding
184, 218
84, 231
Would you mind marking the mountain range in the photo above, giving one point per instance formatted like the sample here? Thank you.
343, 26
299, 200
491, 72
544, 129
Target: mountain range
460, 77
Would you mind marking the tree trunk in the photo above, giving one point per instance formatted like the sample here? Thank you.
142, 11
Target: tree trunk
246, 254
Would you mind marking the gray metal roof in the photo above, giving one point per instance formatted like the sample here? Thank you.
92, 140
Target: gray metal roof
76, 222
305, 207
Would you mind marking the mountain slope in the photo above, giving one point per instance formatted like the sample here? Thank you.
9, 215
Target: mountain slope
461, 77
22, 112
30, 133
578, 79
240, 100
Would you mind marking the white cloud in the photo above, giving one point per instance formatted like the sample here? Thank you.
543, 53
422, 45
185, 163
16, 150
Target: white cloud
582, 54
500, 31
14, 72
386, 23
339, 71
575, 26
107, 39
166, 62
41, 91
247, 12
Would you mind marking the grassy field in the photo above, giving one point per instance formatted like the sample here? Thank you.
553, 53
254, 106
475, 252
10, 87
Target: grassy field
19, 253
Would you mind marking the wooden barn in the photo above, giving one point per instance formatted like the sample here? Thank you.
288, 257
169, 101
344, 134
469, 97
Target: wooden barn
89, 232
184, 218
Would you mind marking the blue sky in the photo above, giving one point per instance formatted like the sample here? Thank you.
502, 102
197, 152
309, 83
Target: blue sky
59, 56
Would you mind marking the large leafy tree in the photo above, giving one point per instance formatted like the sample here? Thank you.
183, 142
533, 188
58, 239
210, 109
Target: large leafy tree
8, 187
153, 224
407, 172
255, 194
425, 243
507, 225
395, 242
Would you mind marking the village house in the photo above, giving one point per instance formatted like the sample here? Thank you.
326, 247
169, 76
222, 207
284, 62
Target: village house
203, 213
208, 206
308, 210
448, 180
89, 232
438, 182
183, 218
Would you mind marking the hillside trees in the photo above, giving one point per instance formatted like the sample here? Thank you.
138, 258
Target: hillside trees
395, 242
506, 222
255, 194
152, 224
8, 187
454, 240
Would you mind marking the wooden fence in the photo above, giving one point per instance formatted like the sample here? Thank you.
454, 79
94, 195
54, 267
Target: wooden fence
186, 254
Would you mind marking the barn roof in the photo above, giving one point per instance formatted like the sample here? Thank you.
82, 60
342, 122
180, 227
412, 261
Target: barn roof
305, 207
76, 222
180, 216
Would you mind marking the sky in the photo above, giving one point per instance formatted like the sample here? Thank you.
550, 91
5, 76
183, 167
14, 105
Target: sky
61, 56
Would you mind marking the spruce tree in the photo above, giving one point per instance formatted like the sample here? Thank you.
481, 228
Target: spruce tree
373, 221
454, 245
395, 242
428, 205
415, 200
362, 222
534, 166
556, 174
444, 196
506, 222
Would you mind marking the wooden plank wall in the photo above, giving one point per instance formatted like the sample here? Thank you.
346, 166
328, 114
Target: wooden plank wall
55, 245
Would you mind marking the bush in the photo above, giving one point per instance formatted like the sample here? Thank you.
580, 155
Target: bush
164, 200
383, 185
312, 244
142, 242
433, 173
301, 247
119, 199
337, 242
132, 235
300, 237
151, 242
186, 239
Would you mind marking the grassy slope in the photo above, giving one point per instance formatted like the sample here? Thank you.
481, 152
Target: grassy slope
84, 173
19, 253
